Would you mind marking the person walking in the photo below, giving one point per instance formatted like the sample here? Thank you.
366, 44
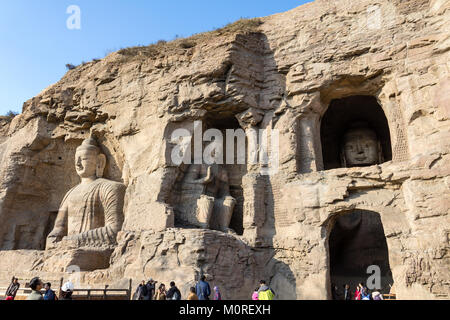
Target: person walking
49, 293
192, 295
203, 289
11, 292
36, 287
347, 293
265, 292
173, 293
161, 293
217, 294
255, 294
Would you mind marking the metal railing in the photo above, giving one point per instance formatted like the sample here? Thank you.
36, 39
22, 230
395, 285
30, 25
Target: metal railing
80, 294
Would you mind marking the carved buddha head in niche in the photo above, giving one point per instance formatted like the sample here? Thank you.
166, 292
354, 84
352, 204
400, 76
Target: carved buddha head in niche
89, 161
360, 147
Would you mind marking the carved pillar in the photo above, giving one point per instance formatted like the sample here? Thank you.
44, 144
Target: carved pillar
309, 149
254, 207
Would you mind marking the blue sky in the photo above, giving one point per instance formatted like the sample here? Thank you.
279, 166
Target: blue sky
36, 44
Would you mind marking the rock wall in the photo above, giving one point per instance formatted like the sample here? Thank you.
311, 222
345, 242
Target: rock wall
279, 72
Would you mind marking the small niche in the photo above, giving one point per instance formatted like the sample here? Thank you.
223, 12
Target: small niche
355, 133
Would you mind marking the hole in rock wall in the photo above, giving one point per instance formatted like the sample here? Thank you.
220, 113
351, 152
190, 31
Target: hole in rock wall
357, 241
354, 133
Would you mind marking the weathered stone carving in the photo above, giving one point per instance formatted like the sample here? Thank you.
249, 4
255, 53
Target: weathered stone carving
360, 147
283, 74
91, 212
207, 186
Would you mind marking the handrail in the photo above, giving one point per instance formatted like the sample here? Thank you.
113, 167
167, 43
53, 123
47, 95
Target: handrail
89, 291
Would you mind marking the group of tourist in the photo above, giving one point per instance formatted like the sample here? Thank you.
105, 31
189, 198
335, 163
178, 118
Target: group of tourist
361, 293
201, 291
36, 285
145, 291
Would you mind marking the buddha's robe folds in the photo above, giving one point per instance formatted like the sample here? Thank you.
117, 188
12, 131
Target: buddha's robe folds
92, 213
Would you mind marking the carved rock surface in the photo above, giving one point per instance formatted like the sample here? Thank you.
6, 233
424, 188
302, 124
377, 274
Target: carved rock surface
279, 72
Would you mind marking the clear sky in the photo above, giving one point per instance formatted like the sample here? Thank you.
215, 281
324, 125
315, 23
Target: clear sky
35, 43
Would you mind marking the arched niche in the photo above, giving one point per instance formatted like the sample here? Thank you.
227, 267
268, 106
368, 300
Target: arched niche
224, 122
344, 113
183, 199
357, 241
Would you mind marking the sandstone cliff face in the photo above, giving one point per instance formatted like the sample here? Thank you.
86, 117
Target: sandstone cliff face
281, 74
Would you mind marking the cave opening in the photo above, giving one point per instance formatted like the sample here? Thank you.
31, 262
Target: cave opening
357, 242
360, 114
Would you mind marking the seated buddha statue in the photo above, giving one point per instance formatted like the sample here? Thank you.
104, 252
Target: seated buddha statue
91, 213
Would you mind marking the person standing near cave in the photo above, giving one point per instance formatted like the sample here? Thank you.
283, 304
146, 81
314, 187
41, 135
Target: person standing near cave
151, 288
49, 293
358, 291
161, 294
347, 293
36, 287
192, 295
203, 289
265, 292
12, 289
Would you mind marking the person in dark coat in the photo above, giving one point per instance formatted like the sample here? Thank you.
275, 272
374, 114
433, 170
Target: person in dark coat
203, 289
347, 293
173, 293
141, 291
151, 288
12, 289
49, 293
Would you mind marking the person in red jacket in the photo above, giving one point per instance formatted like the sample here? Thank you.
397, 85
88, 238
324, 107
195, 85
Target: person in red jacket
358, 291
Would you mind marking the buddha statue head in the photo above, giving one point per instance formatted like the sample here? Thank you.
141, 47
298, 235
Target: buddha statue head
89, 160
360, 147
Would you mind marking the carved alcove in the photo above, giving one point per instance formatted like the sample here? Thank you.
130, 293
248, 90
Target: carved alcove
344, 114
356, 242
179, 195
235, 171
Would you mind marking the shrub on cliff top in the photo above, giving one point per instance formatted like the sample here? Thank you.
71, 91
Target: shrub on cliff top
242, 26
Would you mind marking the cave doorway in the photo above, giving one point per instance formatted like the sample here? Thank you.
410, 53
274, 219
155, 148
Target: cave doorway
339, 118
357, 242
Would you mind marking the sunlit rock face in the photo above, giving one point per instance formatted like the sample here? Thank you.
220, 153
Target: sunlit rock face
307, 74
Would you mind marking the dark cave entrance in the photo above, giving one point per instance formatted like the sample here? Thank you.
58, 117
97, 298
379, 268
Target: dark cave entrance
357, 241
341, 115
